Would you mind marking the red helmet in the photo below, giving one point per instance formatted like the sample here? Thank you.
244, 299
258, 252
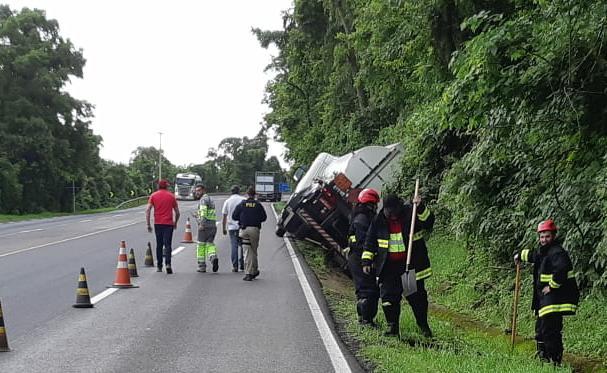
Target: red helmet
547, 225
368, 196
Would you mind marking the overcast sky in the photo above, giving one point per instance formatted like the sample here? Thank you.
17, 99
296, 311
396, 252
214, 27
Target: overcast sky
190, 69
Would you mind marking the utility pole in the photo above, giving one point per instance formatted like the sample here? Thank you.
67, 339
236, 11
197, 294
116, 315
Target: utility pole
160, 158
73, 196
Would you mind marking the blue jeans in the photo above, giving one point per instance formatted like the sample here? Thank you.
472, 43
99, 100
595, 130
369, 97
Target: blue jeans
236, 249
164, 240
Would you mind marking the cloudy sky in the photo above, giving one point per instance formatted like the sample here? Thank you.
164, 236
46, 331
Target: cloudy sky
189, 69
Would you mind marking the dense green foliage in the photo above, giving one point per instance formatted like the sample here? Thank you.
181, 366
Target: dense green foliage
501, 106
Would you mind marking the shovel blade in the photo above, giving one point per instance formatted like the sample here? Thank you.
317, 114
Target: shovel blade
409, 282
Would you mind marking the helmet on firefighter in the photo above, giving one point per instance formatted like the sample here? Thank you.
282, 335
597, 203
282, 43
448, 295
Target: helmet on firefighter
368, 196
547, 225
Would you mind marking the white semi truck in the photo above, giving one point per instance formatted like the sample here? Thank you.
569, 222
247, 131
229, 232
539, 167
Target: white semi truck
185, 184
319, 208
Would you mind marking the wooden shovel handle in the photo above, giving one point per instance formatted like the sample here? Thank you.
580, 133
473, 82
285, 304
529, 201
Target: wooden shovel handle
517, 290
412, 230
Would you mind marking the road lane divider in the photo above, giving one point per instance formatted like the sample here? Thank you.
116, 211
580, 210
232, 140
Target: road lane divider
67, 239
338, 360
86, 220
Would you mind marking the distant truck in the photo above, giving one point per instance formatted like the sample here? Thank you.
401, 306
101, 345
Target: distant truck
319, 208
185, 184
267, 186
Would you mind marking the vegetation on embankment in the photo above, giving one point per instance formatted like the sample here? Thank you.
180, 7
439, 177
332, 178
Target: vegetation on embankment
500, 106
469, 336
7, 218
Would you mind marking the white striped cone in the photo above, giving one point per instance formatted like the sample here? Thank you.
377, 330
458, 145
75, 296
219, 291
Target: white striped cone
123, 279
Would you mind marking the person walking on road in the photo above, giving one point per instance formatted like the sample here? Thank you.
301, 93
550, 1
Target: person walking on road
367, 291
207, 229
230, 226
555, 291
164, 204
385, 249
250, 214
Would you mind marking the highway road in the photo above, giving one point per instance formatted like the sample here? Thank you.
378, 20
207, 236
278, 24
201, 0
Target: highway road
185, 322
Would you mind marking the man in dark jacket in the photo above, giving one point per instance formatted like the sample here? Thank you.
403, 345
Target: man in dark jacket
555, 291
367, 291
385, 249
250, 214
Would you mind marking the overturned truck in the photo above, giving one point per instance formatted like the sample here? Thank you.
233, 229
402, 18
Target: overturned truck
319, 208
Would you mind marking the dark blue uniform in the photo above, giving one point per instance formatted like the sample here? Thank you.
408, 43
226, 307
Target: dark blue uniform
249, 213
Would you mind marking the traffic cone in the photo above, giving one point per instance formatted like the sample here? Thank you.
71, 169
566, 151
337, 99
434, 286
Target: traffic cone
83, 299
123, 279
132, 265
3, 339
187, 238
149, 259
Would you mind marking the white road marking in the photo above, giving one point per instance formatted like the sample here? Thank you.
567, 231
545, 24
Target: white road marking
86, 220
104, 294
67, 239
335, 354
14, 233
117, 215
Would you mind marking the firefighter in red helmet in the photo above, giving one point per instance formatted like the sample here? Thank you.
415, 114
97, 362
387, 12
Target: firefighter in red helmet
367, 291
555, 292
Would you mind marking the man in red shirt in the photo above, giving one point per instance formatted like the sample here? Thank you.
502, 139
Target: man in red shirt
164, 203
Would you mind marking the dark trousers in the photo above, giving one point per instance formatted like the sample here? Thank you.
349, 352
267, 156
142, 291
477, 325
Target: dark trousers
391, 291
548, 331
164, 241
366, 288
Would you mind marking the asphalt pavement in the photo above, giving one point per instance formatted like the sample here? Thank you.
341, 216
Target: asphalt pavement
185, 322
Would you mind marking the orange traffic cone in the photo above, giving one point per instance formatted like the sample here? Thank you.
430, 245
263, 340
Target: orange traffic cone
132, 264
149, 259
187, 238
83, 299
3, 339
123, 279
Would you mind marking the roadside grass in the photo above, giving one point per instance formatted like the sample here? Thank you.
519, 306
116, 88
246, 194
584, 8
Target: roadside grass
279, 206
459, 346
475, 286
7, 218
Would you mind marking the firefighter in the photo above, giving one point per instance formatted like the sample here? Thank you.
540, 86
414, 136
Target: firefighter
385, 249
555, 291
367, 291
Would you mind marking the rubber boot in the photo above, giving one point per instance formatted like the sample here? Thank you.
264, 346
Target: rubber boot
392, 313
366, 317
541, 352
419, 306
360, 310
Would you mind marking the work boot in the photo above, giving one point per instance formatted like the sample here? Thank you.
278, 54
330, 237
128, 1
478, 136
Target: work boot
215, 262
393, 330
169, 270
202, 267
360, 310
426, 331
255, 274
248, 278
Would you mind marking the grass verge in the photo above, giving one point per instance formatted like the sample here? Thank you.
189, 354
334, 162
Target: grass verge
462, 343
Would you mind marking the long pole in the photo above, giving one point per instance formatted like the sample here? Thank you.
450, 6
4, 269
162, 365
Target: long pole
517, 291
73, 196
160, 158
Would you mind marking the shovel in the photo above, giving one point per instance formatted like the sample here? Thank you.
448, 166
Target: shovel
408, 278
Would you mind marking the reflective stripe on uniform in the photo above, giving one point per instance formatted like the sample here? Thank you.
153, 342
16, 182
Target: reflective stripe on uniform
396, 244
423, 274
352, 238
424, 215
567, 307
367, 255
525, 255
382, 243
553, 284
545, 277
418, 235
207, 213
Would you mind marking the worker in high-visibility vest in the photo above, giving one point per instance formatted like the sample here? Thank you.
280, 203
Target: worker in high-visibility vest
207, 229
365, 284
555, 291
386, 251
